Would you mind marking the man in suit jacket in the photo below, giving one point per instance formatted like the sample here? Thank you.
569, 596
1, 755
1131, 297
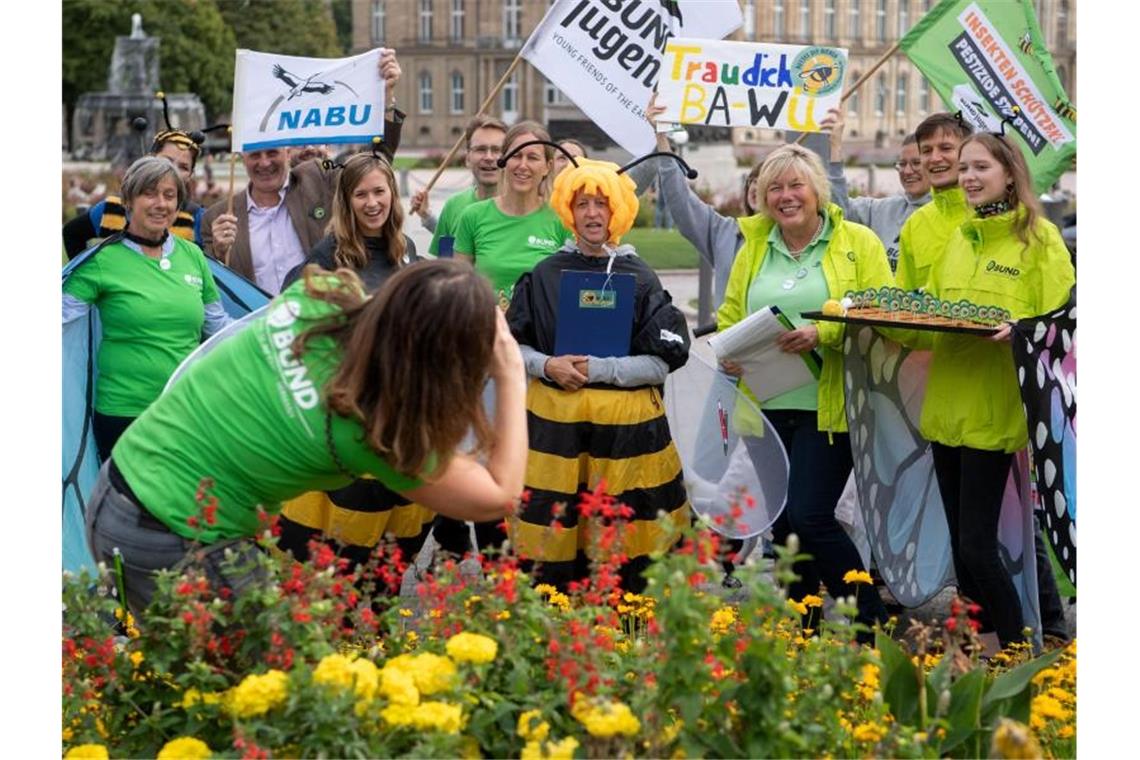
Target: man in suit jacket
282, 213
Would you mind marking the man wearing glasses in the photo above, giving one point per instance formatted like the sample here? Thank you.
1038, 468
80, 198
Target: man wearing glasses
885, 216
484, 136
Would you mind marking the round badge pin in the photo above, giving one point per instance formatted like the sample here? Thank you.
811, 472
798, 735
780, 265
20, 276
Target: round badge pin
801, 273
319, 212
788, 284
164, 263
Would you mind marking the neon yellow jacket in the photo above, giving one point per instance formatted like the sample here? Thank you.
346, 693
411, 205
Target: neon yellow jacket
923, 237
972, 396
854, 260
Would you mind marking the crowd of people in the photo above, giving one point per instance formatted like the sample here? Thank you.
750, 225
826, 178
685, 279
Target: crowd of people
385, 393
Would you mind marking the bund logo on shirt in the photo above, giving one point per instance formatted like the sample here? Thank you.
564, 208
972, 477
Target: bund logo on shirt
193, 281
541, 242
1002, 270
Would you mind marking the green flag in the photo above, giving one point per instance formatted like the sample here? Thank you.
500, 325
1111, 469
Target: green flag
986, 58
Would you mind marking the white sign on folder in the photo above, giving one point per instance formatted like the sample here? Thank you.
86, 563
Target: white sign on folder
768, 370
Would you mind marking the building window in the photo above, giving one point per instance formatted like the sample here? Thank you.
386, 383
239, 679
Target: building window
805, 20
881, 21
900, 93
512, 18
457, 105
904, 17
923, 95
553, 96
457, 14
510, 96
829, 20
750, 19
377, 22
880, 94
853, 101
856, 31
425, 92
425, 20
778, 20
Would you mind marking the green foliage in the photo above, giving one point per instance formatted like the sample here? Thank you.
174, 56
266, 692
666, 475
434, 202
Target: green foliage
196, 53
289, 27
662, 249
342, 17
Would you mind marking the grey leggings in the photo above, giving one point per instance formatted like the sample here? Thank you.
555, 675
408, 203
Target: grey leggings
147, 546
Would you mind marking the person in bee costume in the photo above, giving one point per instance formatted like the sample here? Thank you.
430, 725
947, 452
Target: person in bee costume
595, 419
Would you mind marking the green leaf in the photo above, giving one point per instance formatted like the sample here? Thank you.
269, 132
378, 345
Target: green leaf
899, 679
1013, 682
964, 717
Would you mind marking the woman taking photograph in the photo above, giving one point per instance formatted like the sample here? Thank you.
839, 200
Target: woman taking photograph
326, 387
799, 252
1008, 255
591, 418
364, 236
155, 296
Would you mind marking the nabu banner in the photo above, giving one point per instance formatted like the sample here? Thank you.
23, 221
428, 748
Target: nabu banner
282, 100
750, 84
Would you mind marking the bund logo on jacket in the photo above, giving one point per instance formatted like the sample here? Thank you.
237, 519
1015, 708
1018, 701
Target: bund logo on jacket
1002, 270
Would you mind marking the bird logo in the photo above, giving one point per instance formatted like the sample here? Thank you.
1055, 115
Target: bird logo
302, 85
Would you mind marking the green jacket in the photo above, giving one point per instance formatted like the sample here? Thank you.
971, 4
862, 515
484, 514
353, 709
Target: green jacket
972, 396
854, 260
923, 237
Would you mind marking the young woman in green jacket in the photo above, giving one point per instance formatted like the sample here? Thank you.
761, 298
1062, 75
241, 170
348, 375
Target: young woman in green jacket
798, 252
1008, 256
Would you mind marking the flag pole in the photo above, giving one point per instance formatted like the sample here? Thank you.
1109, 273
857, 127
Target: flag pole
486, 102
859, 82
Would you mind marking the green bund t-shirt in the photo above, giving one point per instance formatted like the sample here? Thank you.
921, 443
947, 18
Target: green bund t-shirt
449, 217
252, 417
506, 247
793, 286
152, 319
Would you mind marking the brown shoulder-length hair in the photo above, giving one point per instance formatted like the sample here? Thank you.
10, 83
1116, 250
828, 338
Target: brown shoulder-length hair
1020, 194
350, 251
537, 132
414, 359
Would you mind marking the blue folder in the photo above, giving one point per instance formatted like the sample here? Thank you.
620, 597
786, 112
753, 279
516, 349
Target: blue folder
595, 313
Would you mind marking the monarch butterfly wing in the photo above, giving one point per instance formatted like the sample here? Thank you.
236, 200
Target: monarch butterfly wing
737, 480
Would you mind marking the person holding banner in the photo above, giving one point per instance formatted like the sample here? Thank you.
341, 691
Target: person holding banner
885, 216
505, 236
483, 138
798, 252
597, 418
924, 235
1006, 255
322, 381
364, 236
281, 214
155, 295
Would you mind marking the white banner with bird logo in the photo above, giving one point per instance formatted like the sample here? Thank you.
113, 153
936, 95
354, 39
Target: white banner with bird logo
750, 84
282, 100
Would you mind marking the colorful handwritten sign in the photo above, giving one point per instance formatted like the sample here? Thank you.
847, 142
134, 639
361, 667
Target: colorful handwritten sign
750, 84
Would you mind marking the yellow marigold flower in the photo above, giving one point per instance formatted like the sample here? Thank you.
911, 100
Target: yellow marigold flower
1066, 732
431, 672
344, 672
604, 718
1012, 740
472, 647
560, 600
184, 748
532, 751
811, 600
258, 694
87, 752
405, 612
527, 728
868, 732
857, 576
192, 697
1062, 696
545, 589
563, 750
623, 646
438, 716
799, 607
504, 615
136, 658
399, 687
1048, 707
722, 620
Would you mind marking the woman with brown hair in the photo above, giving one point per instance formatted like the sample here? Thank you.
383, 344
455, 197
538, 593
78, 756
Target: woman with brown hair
1009, 256
326, 387
365, 230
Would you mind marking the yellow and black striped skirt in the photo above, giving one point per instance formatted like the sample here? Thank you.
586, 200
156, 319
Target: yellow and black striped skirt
578, 439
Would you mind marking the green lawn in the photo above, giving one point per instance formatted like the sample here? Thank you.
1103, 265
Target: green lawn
662, 249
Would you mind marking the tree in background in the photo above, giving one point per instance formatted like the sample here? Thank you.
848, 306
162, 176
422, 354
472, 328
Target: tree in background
342, 17
196, 54
289, 27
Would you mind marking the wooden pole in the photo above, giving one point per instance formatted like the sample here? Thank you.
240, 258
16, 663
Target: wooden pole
486, 102
859, 82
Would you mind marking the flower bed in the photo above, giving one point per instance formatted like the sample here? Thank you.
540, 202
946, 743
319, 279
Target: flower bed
319, 659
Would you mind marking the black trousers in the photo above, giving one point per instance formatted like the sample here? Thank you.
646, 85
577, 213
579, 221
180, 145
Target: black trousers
972, 482
107, 430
